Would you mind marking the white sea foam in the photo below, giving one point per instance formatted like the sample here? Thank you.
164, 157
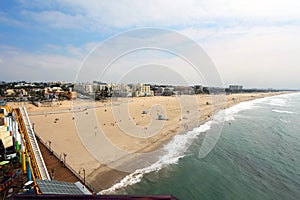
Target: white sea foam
283, 111
229, 114
176, 148
281, 100
285, 121
278, 102
232, 111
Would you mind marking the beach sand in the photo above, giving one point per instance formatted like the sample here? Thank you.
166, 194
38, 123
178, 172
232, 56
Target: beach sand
81, 129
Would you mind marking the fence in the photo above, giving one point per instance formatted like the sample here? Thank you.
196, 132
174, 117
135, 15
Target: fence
87, 184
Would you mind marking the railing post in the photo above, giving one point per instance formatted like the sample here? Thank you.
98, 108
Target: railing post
51, 152
65, 155
59, 156
83, 175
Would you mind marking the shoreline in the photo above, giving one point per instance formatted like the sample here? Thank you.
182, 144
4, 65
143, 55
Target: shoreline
64, 137
120, 176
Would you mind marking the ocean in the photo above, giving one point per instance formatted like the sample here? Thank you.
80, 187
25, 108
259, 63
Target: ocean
257, 156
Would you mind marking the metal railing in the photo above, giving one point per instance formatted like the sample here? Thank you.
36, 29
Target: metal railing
86, 183
34, 147
28, 149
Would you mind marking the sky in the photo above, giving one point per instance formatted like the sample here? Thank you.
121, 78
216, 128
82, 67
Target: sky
253, 43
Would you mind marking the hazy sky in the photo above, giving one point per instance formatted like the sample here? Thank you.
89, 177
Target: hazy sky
254, 43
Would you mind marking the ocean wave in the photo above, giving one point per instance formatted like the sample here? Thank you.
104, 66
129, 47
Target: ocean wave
174, 150
282, 100
278, 102
177, 147
283, 111
247, 105
285, 121
222, 116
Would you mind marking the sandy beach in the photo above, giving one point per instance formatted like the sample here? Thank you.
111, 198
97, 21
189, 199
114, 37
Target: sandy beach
100, 136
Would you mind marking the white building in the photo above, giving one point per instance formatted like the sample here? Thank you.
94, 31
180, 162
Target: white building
89, 88
143, 91
235, 87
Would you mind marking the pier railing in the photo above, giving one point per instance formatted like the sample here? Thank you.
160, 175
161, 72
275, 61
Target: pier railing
34, 148
86, 183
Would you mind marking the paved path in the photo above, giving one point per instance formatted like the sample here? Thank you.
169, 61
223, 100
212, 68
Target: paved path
61, 173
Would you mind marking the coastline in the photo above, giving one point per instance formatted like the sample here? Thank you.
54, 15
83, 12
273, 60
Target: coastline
120, 178
64, 138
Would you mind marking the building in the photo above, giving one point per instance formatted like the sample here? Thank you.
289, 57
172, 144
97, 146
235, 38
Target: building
89, 88
122, 90
143, 91
184, 90
236, 88
198, 89
10, 92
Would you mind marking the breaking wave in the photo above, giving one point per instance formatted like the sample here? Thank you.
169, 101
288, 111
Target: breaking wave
174, 150
177, 147
282, 111
278, 102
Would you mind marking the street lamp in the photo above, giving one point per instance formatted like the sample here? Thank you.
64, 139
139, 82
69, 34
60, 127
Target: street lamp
83, 175
64, 159
65, 155
33, 127
50, 146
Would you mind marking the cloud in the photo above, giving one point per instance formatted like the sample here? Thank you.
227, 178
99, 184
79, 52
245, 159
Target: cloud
257, 56
5, 19
190, 12
67, 50
123, 54
20, 65
254, 43
121, 14
57, 19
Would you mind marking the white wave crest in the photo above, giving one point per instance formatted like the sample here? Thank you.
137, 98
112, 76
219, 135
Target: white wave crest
285, 121
174, 150
278, 102
283, 111
230, 112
